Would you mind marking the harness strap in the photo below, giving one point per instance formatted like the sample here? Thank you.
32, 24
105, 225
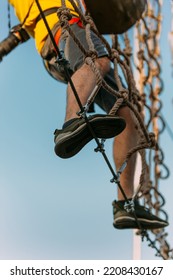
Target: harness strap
71, 21
58, 33
47, 13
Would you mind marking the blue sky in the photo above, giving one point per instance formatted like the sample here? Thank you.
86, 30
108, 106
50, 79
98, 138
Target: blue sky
52, 208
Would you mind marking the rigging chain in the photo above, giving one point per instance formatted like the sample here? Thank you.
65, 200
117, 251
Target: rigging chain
150, 87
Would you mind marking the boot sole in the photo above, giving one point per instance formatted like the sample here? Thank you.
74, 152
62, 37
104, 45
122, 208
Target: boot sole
145, 224
70, 143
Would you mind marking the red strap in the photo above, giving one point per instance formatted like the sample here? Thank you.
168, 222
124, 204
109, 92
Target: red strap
71, 21
75, 20
57, 36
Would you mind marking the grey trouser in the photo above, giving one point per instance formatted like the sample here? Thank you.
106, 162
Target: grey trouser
75, 57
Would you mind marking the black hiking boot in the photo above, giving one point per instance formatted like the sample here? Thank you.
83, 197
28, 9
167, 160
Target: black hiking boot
71, 139
126, 220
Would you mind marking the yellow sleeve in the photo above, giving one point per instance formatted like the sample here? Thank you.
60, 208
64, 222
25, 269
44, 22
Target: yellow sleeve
38, 31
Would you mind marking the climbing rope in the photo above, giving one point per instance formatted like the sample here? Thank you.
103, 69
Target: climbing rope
129, 96
9, 16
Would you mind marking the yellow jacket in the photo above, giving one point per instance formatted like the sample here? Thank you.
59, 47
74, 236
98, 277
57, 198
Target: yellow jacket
38, 31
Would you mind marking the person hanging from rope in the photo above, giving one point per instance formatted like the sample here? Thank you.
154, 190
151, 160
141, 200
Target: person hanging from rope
75, 134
